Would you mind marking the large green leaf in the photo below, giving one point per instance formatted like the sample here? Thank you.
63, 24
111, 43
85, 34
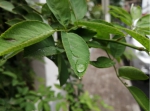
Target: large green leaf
61, 10
7, 5
79, 8
100, 27
77, 52
140, 97
22, 35
131, 73
103, 62
140, 38
117, 49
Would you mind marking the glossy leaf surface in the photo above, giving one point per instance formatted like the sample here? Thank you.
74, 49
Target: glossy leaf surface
77, 52
103, 62
140, 97
132, 73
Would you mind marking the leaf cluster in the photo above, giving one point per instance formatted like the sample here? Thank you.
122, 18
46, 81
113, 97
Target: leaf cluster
34, 37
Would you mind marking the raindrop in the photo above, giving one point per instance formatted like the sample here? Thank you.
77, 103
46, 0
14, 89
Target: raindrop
80, 67
79, 77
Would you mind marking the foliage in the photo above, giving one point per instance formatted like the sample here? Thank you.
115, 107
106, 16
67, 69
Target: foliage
66, 19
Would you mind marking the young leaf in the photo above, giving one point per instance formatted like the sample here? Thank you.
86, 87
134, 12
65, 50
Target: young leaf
144, 22
22, 35
100, 27
77, 52
63, 71
61, 10
7, 5
79, 8
122, 14
140, 38
136, 12
117, 49
103, 62
140, 97
131, 73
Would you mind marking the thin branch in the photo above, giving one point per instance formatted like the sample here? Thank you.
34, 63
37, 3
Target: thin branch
122, 43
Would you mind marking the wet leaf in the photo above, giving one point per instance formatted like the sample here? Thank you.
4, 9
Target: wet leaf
77, 52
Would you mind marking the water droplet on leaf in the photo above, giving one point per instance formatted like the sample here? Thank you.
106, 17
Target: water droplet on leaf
80, 67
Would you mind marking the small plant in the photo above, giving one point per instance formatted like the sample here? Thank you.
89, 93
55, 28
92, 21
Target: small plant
33, 37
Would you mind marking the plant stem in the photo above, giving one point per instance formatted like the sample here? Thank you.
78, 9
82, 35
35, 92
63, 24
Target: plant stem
122, 43
116, 71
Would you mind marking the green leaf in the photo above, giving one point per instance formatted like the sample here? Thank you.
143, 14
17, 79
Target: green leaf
61, 10
33, 16
77, 52
79, 8
44, 48
140, 38
95, 44
22, 35
140, 97
103, 62
29, 106
136, 12
122, 18
25, 90
40, 106
144, 21
7, 5
13, 21
143, 25
86, 34
101, 27
132, 73
46, 107
63, 70
10, 74
117, 49
122, 14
